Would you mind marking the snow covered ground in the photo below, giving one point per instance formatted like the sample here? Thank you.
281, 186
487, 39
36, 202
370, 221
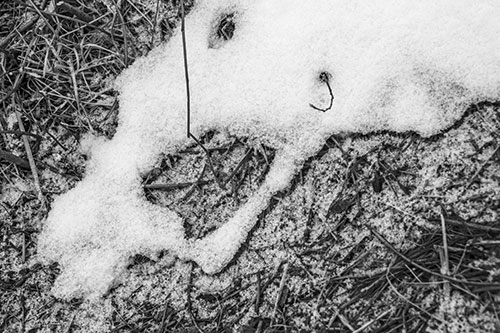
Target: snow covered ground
346, 137
391, 65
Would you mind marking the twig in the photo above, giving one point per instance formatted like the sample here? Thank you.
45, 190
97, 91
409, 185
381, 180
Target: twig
188, 97
324, 77
280, 291
168, 187
75, 88
56, 140
186, 71
124, 33
22, 29
155, 22
31, 160
445, 264
469, 183
238, 167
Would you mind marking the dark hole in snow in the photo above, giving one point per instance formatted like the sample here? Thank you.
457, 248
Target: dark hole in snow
225, 29
324, 77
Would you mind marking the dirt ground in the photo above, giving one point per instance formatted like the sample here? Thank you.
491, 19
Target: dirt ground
378, 233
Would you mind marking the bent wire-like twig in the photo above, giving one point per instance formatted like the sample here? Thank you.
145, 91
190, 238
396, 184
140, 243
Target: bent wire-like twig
188, 99
325, 77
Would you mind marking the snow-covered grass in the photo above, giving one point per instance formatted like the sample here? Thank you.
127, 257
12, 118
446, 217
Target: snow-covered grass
395, 66
336, 227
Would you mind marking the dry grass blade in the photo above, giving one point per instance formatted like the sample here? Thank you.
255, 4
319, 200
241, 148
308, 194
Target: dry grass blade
371, 322
34, 170
445, 261
186, 72
20, 162
258, 294
422, 268
22, 29
244, 160
80, 14
346, 322
68, 329
481, 168
279, 296
36, 136
17, 84
210, 163
476, 226
402, 297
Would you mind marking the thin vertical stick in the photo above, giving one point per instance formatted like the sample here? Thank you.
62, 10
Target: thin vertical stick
31, 160
188, 99
280, 291
445, 264
186, 74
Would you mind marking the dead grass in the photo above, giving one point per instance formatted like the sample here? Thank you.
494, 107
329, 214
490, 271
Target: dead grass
378, 233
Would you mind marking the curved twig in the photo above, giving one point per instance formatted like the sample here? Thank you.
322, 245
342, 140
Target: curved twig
325, 77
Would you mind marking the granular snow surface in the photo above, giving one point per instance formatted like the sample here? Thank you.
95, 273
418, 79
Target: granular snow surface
391, 65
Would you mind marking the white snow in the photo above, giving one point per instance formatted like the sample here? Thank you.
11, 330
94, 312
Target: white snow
398, 65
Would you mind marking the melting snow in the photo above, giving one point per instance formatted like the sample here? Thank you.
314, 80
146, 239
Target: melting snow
392, 65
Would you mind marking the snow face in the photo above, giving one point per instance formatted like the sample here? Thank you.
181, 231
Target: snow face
392, 65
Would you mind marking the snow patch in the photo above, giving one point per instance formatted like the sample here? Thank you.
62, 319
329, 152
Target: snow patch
392, 65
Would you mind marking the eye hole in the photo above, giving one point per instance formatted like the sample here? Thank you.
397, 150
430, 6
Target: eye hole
324, 77
226, 27
223, 30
